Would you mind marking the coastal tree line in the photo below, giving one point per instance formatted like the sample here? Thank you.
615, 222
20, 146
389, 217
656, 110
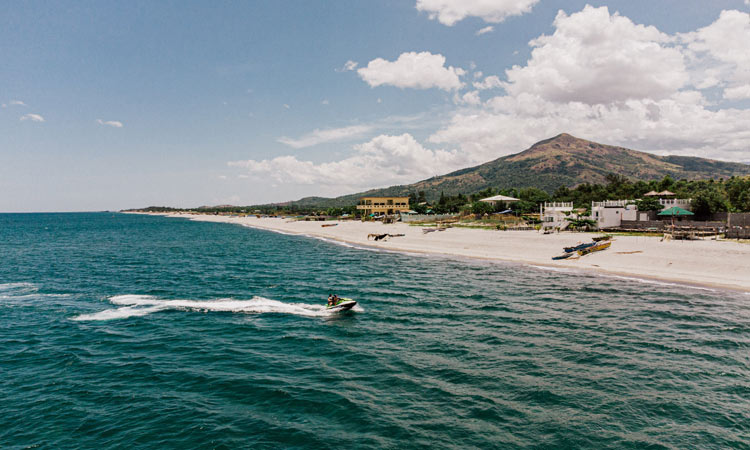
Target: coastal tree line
708, 197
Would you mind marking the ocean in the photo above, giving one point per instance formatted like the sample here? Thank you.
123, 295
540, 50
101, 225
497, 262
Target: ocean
144, 332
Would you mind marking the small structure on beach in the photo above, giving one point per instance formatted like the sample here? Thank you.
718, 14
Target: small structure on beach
499, 199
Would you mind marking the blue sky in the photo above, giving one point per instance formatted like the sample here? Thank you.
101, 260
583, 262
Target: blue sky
109, 105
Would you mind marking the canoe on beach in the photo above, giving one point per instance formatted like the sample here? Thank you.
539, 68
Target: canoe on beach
595, 248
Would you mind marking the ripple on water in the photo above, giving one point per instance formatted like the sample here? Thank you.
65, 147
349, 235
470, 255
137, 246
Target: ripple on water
151, 333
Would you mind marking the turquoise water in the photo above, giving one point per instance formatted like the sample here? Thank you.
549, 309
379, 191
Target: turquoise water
125, 331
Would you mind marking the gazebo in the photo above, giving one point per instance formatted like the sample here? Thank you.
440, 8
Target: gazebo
499, 198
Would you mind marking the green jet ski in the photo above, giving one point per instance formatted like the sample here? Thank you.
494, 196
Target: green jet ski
342, 304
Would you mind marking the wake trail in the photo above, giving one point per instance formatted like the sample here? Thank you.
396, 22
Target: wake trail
142, 305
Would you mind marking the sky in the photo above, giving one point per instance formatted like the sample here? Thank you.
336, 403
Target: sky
107, 105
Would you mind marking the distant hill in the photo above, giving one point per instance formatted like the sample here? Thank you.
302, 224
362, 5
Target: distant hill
563, 160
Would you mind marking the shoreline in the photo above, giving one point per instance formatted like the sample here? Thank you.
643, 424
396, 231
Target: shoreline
698, 264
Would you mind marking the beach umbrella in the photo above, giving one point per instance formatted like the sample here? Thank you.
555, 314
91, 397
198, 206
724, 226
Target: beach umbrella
675, 211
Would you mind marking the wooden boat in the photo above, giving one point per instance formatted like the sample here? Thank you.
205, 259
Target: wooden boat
563, 256
329, 225
579, 247
595, 248
606, 237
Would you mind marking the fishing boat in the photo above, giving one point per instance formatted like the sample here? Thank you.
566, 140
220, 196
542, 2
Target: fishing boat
563, 256
329, 225
595, 248
606, 237
579, 247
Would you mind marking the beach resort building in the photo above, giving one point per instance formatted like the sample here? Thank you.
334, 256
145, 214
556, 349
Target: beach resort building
383, 205
555, 215
612, 213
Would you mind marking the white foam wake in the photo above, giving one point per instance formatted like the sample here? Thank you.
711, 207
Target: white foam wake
141, 305
18, 292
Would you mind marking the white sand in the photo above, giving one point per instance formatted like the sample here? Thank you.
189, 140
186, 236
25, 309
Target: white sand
723, 264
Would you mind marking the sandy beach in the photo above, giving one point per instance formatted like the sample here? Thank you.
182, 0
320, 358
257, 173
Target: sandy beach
722, 264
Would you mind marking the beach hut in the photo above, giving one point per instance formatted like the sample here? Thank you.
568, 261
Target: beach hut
651, 194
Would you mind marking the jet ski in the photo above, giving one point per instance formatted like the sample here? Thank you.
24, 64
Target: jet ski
343, 304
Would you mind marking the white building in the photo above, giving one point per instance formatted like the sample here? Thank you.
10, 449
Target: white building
555, 215
611, 213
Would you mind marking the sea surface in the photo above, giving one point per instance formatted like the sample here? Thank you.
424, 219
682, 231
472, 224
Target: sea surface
143, 332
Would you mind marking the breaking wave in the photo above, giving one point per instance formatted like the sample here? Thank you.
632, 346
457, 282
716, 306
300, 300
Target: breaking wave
141, 305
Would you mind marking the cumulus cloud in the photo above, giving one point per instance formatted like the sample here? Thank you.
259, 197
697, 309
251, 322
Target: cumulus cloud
594, 57
110, 123
491, 82
448, 12
470, 98
485, 30
719, 54
317, 137
413, 70
602, 77
382, 161
32, 117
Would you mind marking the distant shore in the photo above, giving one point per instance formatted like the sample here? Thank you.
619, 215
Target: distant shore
708, 263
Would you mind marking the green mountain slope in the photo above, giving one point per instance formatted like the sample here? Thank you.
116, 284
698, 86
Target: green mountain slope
563, 160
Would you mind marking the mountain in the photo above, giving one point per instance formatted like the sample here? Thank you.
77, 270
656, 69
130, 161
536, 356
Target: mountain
563, 160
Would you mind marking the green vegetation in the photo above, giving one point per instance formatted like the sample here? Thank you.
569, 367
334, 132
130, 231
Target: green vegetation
709, 196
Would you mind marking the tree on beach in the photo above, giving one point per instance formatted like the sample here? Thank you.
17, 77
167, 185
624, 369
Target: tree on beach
648, 204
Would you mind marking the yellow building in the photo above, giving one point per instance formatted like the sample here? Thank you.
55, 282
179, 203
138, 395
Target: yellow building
383, 205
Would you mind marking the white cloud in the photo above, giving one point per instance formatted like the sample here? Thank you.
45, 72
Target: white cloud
491, 82
286, 106
413, 70
317, 137
594, 57
738, 92
471, 98
348, 66
448, 12
325, 102
485, 30
110, 123
13, 103
32, 117
719, 54
382, 161
601, 77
